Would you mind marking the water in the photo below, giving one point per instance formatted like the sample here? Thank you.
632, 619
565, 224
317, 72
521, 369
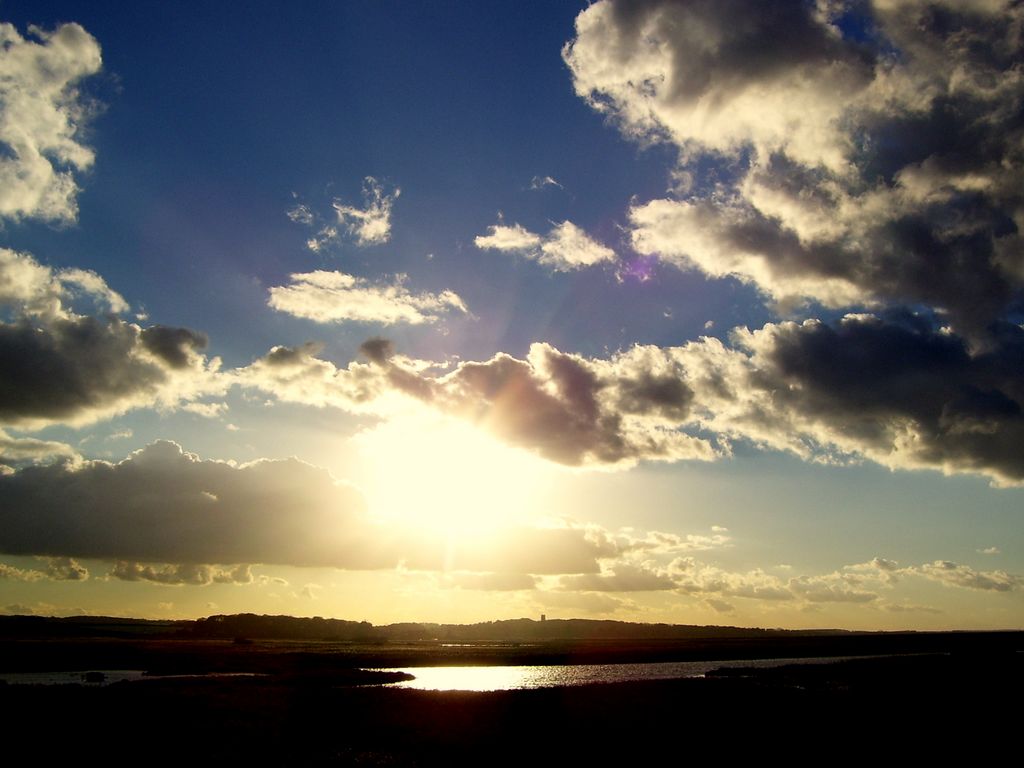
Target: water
512, 678
100, 677
96, 678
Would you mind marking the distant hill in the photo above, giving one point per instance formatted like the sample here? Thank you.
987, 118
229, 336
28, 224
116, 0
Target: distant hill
252, 626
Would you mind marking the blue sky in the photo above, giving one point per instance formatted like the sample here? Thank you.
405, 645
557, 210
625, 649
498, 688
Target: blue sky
717, 309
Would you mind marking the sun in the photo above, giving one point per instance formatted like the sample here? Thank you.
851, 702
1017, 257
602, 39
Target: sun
447, 476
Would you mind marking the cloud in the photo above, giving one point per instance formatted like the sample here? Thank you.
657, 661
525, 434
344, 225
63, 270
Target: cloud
540, 182
510, 550
989, 551
57, 569
694, 577
65, 569
564, 249
892, 389
164, 515
952, 574
333, 297
370, 225
163, 505
503, 238
587, 602
35, 290
569, 409
301, 214
624, 577
660, 542
721, 606
943, 571
829, 589
40, 115
181, 574
19, 450
490, 582
870, 162
70, 368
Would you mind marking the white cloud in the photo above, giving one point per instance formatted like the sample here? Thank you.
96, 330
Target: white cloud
331, 297
539, 182
565, 248
953, 574
860, 171
40, 114
370, 225
181, 574
502, 238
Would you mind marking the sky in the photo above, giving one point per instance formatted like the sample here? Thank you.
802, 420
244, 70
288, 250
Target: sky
691, 312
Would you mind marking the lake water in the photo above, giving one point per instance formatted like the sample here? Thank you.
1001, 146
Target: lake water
510, 678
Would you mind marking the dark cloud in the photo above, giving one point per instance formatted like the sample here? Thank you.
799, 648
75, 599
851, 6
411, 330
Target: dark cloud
166, 506
175, 346
166, 515
61, 367
377, 350
899, 393
70, 369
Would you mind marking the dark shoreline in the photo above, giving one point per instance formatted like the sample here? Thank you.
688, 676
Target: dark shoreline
909, 707
312, 704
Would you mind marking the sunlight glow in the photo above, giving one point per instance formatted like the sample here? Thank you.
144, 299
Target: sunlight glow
449, 477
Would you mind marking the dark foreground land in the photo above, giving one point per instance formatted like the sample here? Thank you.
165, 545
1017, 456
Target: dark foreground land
948, 696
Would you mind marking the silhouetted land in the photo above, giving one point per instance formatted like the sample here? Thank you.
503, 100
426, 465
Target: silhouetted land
958, 699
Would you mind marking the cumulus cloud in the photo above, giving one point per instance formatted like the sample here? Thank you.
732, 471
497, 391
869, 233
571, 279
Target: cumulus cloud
332, 297
564, 249
181, 574
943, 571
56, 569
892, 390
64, 367
958, 575
874, 150
40, 115
567, 408
694, 577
